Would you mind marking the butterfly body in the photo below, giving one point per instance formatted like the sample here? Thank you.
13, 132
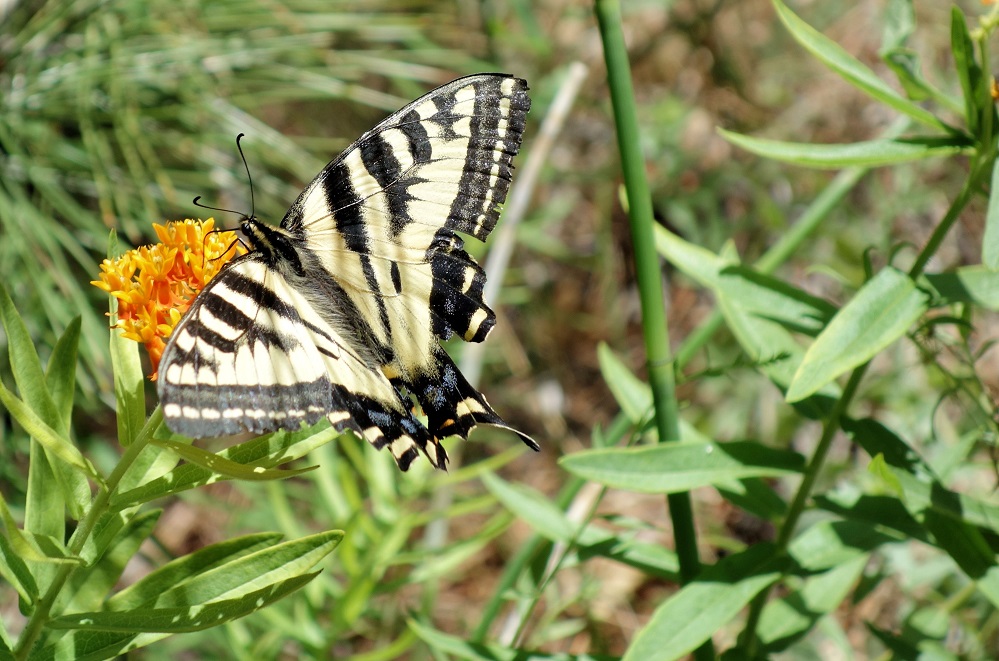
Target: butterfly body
338, 312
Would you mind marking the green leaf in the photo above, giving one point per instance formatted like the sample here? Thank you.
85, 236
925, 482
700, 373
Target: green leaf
60, 380
828, 544
756, 497
763, 314
706, 605
129, 387
697, 263
226, 467
880, 313
146, 590
55, 443
15, 571
633, 395
969, 74
37, 406
25, 365
852, 70
239, 575
899, 25
885, 511
537, 511
44, 507
988, 585
873, 153
793, 616
456, 647
60, 375
181, 619
263, 451
962, 542
990, 242
967, 284
681, 466
90, 586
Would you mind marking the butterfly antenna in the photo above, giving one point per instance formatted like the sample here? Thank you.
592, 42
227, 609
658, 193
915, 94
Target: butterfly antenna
253, 207
205, 206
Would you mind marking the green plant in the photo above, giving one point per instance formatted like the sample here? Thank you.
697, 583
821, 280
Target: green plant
841, 534
65, 588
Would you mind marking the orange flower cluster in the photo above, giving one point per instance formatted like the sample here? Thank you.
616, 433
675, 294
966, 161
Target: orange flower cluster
155, 284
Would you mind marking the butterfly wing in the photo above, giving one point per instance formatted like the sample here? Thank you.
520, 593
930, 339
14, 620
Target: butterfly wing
340, 311
383, 219
254, 354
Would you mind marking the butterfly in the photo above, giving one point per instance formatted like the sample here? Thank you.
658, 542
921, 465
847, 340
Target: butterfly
340, 311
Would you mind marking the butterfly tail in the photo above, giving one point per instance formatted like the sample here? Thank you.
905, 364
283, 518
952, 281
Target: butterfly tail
452, 406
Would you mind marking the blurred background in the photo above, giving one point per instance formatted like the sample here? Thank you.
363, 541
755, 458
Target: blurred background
115, 114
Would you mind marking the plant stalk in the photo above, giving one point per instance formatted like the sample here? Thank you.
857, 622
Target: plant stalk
649, 273
98, 507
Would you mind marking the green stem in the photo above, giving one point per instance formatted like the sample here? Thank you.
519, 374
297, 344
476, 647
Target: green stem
940, 233
801, 497
649, 272
98, 507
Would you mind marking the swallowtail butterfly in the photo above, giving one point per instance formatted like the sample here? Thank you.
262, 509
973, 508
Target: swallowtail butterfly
338, 312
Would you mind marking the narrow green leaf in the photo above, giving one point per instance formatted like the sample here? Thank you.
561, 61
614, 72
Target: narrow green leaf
631, 393
25, 365
23, 542
447, 644
852, 70
988, 585
60, 379
885, 511
537, 511
146, 590
15, 571
264, 451
697, 263
60, 375
967, 284
969, 74
793, 616
44, 507
880, 313
899, 23
178, 620
681, 466
36, 404
706, 605
873, 153
129, 387
990, 242
962, 541
755, 496
828, 544
219, 464
238, 576
764, 314
58, 445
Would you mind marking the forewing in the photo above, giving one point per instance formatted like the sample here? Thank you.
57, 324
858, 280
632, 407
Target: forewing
383, 216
